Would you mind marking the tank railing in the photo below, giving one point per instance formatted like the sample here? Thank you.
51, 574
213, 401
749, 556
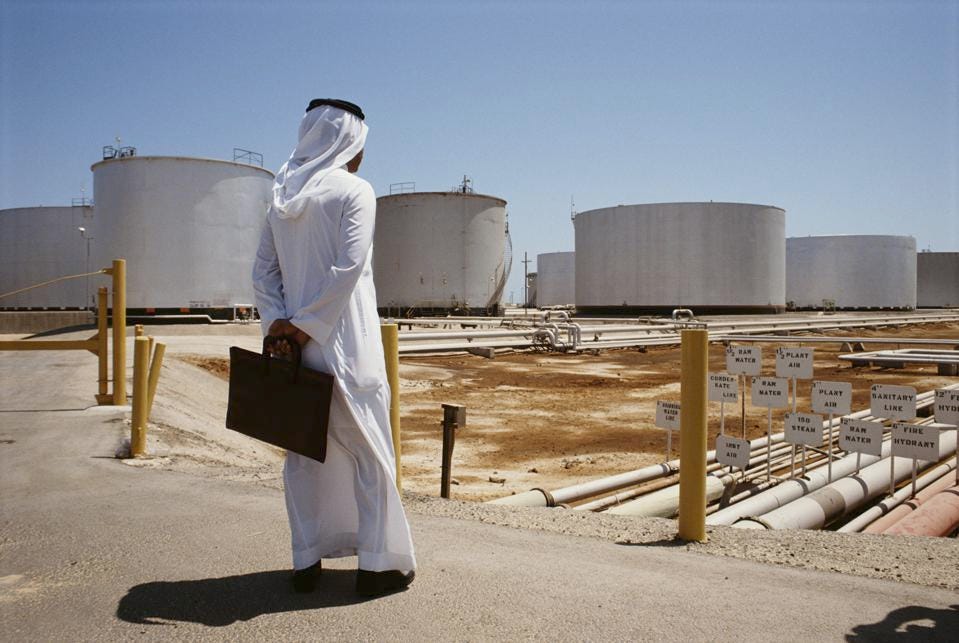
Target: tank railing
54, 281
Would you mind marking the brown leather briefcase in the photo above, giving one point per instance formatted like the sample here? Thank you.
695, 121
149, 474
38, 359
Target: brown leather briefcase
279, 401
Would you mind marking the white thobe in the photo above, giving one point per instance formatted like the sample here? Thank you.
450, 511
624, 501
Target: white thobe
314, 268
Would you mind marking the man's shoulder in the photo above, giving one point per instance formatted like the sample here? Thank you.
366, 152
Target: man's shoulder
351, 183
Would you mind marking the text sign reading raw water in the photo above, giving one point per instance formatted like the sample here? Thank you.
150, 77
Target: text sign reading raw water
744, 360
733, 452
667, 415
804, 428
893, 402
723, 387
794, 362
947, 407
832, 397
771, 392
915, 441
860, 436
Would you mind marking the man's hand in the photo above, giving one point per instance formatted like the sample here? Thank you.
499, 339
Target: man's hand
283, 328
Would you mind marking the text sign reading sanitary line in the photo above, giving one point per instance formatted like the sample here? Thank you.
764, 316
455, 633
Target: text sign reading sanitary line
794, 362
803, 428
733, 452
770, 392
893, 402
667, 415
744, 360
723, 387
915, 441
947, 407
860, 436
832, 397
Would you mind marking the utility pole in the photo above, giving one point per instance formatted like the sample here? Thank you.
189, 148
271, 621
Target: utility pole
88, 238
526, 262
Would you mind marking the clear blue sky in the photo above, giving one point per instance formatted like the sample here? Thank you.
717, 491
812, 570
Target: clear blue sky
846, 114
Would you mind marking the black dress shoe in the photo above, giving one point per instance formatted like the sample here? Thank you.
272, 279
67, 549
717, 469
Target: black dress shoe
377, 583
304, 580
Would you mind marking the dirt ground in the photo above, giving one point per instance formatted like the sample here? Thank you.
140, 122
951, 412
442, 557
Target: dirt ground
553, 420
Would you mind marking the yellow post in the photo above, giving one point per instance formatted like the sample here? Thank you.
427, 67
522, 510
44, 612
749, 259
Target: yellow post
138, 421
692, 433
103, 373
119, 273
391, 349
155, 365
138, 330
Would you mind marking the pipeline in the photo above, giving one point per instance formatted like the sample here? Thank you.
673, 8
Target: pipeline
937, 517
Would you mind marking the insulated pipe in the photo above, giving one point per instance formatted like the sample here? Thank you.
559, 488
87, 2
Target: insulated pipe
937, 517
543, 498
929, 484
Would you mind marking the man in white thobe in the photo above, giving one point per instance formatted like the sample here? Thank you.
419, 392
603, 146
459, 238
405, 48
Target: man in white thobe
314, 285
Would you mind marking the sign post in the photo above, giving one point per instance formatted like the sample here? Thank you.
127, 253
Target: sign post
897, 403
916, 441
744, 360
831, 398
947, 412
667, 417
770, 392
796, 364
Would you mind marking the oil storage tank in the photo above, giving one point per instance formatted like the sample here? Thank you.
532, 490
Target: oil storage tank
45, 243
851, 272
937, 279
653, 258
188, 228
556, 279
440, 252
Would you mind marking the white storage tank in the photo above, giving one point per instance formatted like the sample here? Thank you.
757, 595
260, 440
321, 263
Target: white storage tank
710, 257
556, 278
938, 279
851, 272
439, 252
188, 228
44, 243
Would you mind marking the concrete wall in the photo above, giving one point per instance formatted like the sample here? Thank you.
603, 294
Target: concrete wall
937, 279
556, 274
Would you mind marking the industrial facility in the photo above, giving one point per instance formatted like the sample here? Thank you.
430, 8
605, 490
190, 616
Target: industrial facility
556, 279
937, 279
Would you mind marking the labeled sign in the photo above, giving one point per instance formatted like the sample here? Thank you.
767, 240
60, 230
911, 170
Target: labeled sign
915, 441
723, 387
744, 360
733, 452
804, 428
947, 407
794, 362
860, 436
832, 397
771, 392
667, 415
893, 402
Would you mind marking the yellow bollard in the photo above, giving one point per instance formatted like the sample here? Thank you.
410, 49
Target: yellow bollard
154, 379
138, 330
103, 373
138, 422
391, 348
692, 434
119, 272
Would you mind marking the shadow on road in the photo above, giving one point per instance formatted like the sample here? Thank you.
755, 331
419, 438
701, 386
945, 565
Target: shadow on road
911, 624
222, 601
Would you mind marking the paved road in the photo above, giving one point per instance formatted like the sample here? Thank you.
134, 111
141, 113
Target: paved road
95, 549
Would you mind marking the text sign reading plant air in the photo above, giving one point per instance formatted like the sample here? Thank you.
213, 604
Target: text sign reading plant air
832, 397
733, 452
667, 415
893, 402
744, 360
794, 362
915, 441
771, 392
947, 407
804, 428
860, 436
723, 387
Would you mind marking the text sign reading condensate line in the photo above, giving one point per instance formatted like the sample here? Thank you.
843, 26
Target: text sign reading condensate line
803, 428
947, 407
771, 392
667, 415
723, 387
733, 452
832, 397
893, 402
794, 362
915, 441
744, 360
860, 436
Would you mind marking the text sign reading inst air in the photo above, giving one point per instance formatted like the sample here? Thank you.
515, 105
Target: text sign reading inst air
771, 392
832, 397
947, 407
860, 436
723, 387
804, 428
667, 415
915, 441
893, 402
744, 360
733, 452
794, 362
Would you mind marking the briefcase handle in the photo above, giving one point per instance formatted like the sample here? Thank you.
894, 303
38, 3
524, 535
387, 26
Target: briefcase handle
296, 353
